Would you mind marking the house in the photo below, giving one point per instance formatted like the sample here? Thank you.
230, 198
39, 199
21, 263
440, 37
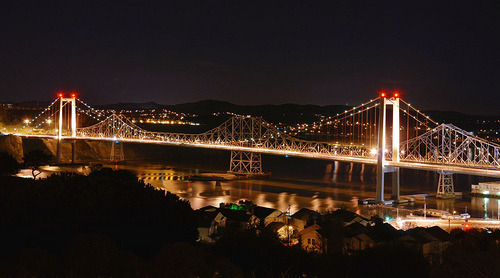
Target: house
383, 233
357, 238
284, 232
312, 240
430, 242
269, 215
204, 218
233, 219
304, 218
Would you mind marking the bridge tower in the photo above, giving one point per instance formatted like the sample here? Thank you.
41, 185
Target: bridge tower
381, 150
63, 102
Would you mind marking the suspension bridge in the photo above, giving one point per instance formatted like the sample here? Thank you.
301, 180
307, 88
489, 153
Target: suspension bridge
386, 131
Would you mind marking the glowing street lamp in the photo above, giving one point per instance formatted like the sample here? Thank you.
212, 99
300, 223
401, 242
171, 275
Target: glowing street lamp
27, 121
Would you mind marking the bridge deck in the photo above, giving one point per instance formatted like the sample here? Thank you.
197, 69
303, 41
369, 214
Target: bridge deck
459, 169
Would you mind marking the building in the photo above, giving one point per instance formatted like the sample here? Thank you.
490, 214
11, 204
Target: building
430, 242
312, 239
487, 189
268, 215
357, 238
204, 218
304, 218
233, 219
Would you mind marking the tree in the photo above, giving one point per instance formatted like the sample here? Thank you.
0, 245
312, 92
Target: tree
36, 158
8, 164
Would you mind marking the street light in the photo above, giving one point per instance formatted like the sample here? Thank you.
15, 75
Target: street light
27, 121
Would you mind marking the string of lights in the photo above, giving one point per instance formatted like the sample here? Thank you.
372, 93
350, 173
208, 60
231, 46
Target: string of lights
39, 115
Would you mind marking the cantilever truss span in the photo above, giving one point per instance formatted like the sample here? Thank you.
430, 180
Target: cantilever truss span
237, 133
447, 144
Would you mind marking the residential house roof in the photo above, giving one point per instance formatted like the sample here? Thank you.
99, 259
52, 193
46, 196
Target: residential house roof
354, 229
311, 228
262, 212
208, 208
439, 233
345, 215
235, 215
304, 214
204, 218
383, 232
275, 226
425, 235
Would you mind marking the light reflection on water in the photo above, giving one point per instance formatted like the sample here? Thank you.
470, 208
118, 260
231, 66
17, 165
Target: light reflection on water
324, 191
312, 184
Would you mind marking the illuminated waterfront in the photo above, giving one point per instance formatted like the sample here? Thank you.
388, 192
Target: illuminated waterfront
298, 182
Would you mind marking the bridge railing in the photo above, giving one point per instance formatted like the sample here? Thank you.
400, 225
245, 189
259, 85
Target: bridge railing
239, 131
450, 145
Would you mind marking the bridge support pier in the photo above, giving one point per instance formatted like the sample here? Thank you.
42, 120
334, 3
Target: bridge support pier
116, 152
245, 163
73, 151
58, 154
446, 189
381, 181
395, 184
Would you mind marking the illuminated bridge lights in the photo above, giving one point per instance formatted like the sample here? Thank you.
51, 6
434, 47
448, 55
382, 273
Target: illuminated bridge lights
356, 129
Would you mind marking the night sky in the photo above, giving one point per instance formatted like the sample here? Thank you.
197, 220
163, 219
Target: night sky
440, 56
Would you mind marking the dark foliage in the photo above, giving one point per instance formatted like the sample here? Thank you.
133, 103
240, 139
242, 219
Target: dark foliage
8, 164
48, 214
389, 261
186, 260
36, 158
262, 255
473, 254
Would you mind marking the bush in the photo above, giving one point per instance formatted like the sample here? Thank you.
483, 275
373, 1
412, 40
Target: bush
8, 164
49, 213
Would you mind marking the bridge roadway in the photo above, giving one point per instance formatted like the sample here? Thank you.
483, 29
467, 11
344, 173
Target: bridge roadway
458, 169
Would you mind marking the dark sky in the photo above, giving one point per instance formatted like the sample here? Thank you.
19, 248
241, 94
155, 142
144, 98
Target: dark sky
441, 56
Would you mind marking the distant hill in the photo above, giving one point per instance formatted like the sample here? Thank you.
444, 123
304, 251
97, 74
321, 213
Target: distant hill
284, 113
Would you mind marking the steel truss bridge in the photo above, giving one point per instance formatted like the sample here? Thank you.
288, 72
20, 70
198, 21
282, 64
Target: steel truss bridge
364, 134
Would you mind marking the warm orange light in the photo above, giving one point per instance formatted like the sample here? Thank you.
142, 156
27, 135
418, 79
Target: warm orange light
396, 95
382, 94
60, 95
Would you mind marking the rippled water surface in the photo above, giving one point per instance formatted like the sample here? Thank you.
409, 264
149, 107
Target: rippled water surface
319, 185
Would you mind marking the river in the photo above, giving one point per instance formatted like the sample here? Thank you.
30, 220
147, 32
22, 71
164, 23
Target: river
295, 182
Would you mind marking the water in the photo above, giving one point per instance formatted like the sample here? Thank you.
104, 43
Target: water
295, 182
